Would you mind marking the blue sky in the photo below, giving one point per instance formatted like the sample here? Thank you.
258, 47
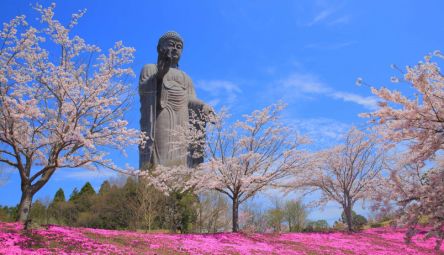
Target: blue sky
249, 54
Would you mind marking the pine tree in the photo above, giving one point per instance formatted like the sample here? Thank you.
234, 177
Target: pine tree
87, 190
104, 188
59, 196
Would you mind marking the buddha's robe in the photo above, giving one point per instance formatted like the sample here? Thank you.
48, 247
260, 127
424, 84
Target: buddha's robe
163, 114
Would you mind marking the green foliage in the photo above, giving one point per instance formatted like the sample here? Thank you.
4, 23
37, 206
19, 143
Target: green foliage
59, 196
339, 225
317, 226
84, 200
104, 188
358, 221
376, 225
131, 206
213, 212
275, 217
74, 195
39, 213
295, 213
8, 214
87, 190
111, 209
180, 212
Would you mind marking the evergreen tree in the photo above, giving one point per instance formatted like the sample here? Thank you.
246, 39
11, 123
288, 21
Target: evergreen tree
56, 209
79, 206
84, 201
104, 188
59, 196
87, 190
74, 195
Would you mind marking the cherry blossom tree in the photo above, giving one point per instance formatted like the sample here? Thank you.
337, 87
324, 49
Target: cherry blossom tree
418, 121
417, 193
61, 101
346, 173
250, 155
417, 179
243, 158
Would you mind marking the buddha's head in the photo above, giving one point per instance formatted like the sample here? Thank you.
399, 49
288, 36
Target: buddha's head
170, 45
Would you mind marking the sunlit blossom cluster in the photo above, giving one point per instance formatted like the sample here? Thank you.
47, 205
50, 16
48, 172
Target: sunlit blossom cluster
416, 180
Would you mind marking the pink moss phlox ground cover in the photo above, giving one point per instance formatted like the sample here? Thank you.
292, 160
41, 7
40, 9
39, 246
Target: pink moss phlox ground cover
67, 240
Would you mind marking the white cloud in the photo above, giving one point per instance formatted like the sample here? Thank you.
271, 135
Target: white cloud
84, 175
323, 132
321, 16
305, 83
329, 13
220, 91
369, 102
302, 84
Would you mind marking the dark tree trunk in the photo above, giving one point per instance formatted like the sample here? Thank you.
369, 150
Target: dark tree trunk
235, 214
348, 217
25, 206
29, 190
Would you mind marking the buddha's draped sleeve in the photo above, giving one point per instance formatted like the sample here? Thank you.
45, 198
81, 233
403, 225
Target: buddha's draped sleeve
193, 101
147, 92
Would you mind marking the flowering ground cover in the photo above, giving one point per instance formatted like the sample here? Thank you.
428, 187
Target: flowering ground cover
67, 240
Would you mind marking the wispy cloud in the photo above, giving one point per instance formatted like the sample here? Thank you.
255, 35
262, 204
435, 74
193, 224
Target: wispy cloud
84, 175
220, 90
321, 16
368, 102
324, 132
329, 13
306, 85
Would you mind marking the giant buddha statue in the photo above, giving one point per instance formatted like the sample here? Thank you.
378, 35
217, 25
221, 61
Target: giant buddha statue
167, 96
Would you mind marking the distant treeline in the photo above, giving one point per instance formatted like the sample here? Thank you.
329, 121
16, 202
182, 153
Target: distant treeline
135, 205
129, 206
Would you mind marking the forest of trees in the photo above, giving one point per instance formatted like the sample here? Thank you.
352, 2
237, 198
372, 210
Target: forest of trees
133, 205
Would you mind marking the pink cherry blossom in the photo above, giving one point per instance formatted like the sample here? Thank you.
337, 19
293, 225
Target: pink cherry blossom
59, 106
416, 181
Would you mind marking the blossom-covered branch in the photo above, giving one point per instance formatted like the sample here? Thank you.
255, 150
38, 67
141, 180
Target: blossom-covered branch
416, 182
251, 155
59, 107
346, 173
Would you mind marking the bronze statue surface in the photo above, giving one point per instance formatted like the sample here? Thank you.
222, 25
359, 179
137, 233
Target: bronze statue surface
167, 96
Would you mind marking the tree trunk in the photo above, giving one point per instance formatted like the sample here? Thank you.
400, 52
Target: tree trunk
25, 206
235, 214
348, 217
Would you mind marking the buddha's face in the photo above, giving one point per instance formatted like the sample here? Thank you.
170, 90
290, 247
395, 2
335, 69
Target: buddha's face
172, 49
